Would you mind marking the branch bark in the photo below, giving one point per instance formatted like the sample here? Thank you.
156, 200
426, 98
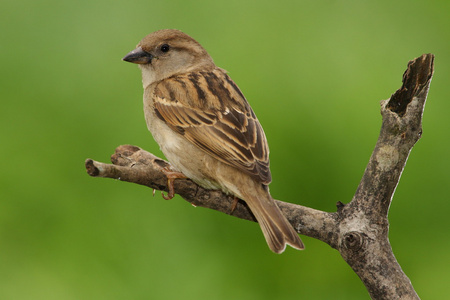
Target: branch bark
359, 229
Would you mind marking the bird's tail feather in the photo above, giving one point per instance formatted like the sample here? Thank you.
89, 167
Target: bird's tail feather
274, 225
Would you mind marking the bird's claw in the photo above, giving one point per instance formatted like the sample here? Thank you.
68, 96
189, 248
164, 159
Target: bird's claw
171, 176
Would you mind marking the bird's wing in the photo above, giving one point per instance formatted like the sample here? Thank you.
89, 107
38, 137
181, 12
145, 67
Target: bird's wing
209, 110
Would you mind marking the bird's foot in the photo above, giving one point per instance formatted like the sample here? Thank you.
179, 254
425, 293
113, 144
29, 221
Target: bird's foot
234, 204
171, 176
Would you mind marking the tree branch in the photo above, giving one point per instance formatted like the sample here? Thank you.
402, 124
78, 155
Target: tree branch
359, 229
133, 164
365, 245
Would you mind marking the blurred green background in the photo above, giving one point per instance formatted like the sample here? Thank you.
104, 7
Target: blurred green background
314, 72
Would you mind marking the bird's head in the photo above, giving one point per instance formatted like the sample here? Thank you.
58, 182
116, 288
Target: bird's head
168, 52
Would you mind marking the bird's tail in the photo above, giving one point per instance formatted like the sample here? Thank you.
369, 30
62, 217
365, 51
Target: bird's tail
274, 225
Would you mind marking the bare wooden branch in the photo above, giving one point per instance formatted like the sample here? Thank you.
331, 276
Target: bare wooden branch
365, 224
133, 164
359, 229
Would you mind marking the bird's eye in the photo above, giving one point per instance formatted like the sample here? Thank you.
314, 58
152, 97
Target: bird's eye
165, 48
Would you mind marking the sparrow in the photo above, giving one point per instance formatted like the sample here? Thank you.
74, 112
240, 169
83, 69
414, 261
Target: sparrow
206, 128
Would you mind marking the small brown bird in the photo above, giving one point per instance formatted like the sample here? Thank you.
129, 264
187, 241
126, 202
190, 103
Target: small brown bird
206, 128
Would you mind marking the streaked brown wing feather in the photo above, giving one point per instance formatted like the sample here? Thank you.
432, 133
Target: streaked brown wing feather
209, 110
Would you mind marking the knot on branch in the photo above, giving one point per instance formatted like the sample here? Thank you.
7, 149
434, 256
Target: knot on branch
127, 156
354, 241
340, 206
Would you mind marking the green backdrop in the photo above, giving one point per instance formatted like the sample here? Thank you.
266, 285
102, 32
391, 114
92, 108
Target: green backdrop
314, 72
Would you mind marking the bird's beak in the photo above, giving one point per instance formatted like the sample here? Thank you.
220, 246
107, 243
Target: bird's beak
138, 56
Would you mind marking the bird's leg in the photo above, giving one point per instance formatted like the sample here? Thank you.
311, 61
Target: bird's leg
234, 204
171, 176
